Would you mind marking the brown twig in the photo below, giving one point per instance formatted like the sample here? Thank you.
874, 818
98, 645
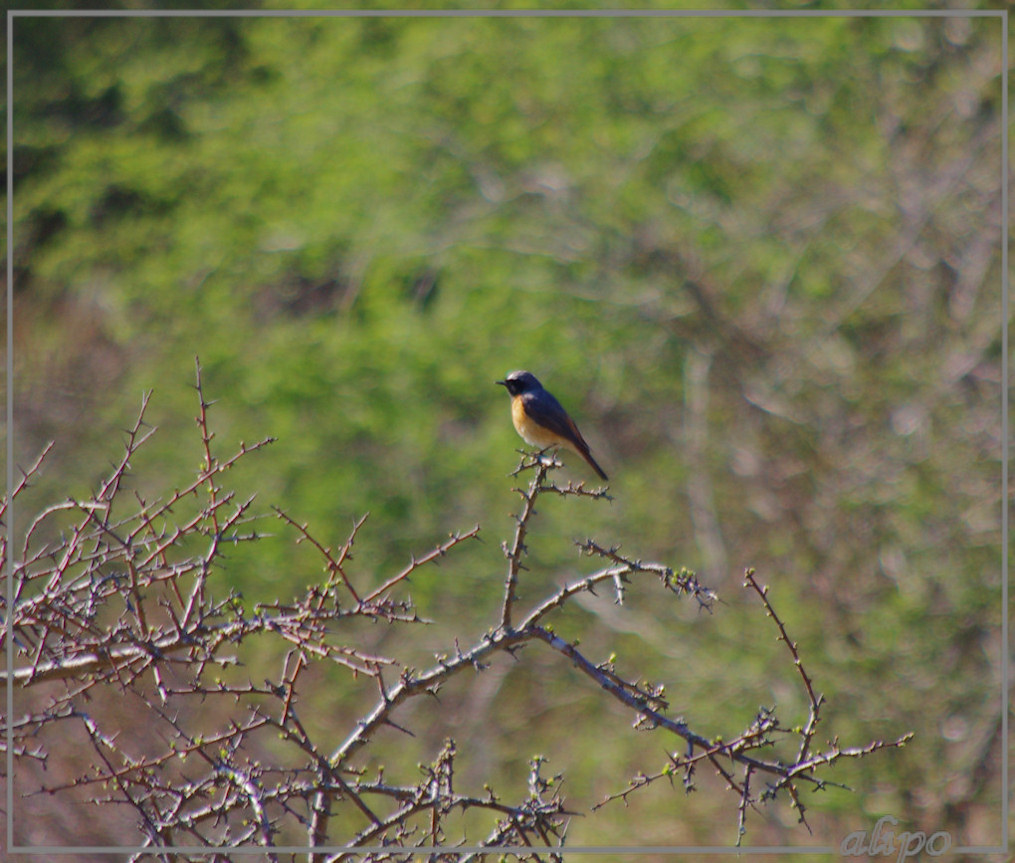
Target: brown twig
814, 701
116, 603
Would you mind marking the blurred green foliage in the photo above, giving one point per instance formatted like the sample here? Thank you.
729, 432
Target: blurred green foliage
758, 259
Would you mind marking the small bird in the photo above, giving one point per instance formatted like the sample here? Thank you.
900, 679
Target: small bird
540, 419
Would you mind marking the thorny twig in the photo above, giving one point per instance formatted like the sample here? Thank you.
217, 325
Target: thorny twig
116, 603
758, 735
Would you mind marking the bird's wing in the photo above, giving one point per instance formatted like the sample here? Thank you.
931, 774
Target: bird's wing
547, 411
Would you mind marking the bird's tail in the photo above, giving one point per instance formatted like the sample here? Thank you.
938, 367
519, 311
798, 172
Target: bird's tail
592, 463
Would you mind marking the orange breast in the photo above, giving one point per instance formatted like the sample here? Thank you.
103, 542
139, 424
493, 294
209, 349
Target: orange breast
533, 434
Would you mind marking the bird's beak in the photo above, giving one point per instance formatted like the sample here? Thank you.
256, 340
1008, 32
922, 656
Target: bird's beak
502, 383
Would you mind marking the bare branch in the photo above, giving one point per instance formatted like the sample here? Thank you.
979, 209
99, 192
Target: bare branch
122, 607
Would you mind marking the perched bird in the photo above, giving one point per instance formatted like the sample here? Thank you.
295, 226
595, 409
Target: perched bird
540, 419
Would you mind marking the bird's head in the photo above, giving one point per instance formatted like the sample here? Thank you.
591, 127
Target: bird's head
520, 382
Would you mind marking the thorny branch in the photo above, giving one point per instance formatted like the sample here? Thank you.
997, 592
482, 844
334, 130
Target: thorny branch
115, 596
760, 734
